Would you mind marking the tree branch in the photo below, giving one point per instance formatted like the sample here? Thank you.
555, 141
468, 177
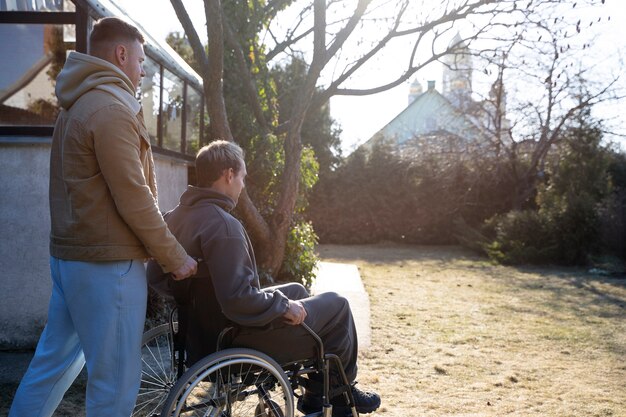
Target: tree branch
459, 13
290, 38
245, 75
213, 80
280, 47
345, 32
192, 35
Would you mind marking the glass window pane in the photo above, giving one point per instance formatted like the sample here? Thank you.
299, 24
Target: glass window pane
194, 113
28, 72
36, 5
150, 93
172, 111
69, 33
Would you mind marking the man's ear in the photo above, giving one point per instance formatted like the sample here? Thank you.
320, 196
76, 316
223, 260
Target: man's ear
228, 175
121, 54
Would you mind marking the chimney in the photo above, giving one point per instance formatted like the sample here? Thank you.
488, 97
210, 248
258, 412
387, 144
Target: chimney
431, 85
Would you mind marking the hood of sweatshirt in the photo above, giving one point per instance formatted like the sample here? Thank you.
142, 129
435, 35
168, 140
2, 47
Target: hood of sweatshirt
83, 73
197, 195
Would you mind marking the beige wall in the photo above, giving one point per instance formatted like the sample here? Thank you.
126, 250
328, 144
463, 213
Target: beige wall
24, 228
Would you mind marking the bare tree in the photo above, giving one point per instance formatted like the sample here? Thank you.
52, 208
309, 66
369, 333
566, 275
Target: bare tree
543, 83
340, 39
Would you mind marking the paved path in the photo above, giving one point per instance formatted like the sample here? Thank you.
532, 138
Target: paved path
345, 280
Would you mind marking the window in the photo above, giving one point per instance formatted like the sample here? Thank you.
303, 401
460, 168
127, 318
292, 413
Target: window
193, 120
37, 36
28, 71
151, 97
430, 124
36, 6
172, 111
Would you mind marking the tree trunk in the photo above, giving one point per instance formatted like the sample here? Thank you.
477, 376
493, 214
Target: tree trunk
283, 213
213, 83
220, 129
256, 226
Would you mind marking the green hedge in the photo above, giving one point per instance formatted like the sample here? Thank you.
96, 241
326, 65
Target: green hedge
379, 196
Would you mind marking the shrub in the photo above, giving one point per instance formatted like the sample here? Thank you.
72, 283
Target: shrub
520, 237
300, 257
380, 195
566, 227
266, 159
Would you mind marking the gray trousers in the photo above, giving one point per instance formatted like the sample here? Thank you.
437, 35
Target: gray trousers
328, 314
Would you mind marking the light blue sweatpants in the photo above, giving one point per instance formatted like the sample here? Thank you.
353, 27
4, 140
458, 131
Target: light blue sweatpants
96, 317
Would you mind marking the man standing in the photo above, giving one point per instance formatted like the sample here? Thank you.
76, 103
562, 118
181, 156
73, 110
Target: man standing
105, 223
226, 290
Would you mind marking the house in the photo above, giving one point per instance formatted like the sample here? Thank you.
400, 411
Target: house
450, 121
41, 33
430, 120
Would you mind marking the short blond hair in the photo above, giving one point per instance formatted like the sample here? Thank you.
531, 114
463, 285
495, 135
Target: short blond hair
216, 157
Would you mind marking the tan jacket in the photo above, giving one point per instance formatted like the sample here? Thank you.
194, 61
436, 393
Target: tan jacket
102, 184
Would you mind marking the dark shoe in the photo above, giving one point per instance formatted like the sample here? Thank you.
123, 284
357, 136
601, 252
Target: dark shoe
309, 403
365, 401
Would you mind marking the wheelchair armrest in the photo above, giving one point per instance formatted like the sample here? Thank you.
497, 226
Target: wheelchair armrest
221, 337
318, 340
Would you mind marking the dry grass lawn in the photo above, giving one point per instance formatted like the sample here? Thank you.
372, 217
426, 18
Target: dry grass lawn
454, 335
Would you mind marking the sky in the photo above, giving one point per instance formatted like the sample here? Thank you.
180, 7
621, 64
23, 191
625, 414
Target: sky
360, 117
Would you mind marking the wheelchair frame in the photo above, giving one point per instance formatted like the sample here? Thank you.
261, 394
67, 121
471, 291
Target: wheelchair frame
232, 382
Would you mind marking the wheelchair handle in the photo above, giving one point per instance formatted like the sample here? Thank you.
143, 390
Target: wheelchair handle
198, 260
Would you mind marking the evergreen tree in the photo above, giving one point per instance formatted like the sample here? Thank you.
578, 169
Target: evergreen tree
566, 227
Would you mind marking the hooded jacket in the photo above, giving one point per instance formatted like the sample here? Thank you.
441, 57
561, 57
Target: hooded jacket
226, 288
103, 195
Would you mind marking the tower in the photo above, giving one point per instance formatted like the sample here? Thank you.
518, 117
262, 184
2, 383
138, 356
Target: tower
457, 73
414, 91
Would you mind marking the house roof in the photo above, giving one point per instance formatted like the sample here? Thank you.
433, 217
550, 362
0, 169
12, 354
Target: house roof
430, 112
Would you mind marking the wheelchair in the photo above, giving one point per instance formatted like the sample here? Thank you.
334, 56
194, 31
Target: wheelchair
232, 382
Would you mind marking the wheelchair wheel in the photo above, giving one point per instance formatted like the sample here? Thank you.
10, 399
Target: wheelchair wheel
232, 383
158, 371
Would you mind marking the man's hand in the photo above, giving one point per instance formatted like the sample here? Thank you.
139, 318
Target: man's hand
186, 270
295, 314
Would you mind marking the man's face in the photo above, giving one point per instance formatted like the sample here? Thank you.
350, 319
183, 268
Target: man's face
237, 183
132, 66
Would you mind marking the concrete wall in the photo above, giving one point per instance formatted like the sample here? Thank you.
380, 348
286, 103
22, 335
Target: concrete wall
25, 226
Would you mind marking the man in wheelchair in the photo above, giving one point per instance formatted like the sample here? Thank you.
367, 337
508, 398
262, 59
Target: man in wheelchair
226, 292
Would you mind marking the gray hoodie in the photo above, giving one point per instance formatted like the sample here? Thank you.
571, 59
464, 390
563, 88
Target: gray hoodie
226, 289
